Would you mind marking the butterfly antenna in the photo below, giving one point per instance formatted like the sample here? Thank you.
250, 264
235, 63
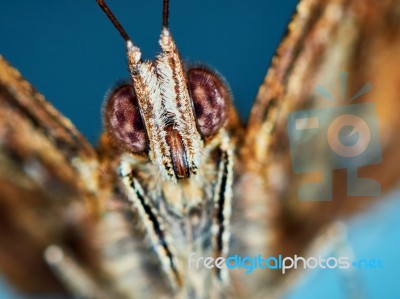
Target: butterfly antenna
165, 13
114, 20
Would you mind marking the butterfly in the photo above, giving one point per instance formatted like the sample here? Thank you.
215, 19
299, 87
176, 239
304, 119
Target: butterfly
177, 174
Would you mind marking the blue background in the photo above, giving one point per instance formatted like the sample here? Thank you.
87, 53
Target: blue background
72, 54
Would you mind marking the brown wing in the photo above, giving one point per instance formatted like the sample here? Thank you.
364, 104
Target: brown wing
50, 179
325, 38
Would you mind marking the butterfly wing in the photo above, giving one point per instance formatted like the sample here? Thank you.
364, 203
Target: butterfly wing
51, 186
325, 39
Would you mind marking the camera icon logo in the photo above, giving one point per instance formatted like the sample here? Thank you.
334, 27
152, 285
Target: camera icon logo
341, 136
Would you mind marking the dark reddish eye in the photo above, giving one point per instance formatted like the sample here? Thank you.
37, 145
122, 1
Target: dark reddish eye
210, 100
123, 121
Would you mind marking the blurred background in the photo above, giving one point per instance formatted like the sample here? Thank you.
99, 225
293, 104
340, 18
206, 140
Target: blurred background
71, 53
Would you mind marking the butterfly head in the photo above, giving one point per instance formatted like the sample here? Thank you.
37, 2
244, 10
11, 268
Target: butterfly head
168, 112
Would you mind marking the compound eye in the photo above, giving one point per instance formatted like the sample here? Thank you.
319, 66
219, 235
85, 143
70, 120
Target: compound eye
123, 121
210, 98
